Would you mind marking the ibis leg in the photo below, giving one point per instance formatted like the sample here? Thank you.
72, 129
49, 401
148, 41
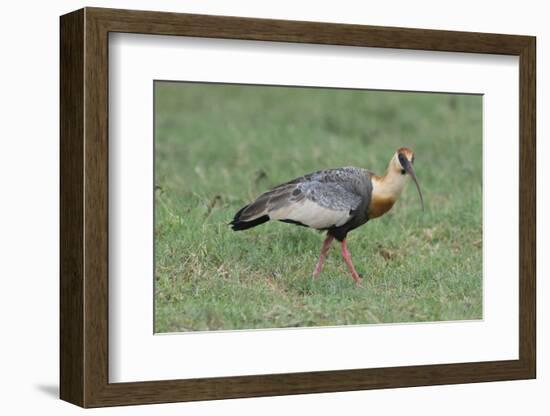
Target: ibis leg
347, 258
323, 255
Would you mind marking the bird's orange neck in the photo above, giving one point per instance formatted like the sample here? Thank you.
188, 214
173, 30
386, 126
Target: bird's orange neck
386, 190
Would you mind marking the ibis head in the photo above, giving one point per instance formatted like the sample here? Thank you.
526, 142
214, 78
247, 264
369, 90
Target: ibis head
402, 163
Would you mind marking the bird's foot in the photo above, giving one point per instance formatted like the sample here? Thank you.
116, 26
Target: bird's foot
318, 269
358, 279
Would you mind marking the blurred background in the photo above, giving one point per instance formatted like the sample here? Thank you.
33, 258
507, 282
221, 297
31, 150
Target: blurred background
219, 146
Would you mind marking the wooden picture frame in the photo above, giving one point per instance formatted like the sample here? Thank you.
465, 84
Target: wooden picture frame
84, 207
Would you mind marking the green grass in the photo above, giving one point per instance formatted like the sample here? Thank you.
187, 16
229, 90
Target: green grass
219, 146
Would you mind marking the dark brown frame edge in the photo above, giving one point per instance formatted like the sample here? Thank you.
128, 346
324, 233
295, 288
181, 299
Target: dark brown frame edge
84, 207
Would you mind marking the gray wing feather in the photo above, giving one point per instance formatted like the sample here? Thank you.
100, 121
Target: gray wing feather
338, 190
330, 195
273, 199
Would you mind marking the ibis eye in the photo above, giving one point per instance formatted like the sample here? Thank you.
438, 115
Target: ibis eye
403, 171
402, 161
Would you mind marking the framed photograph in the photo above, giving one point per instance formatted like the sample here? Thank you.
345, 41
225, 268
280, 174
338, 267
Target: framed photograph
254, 207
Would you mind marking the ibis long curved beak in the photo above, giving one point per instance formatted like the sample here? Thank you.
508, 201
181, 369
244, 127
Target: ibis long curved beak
410, 170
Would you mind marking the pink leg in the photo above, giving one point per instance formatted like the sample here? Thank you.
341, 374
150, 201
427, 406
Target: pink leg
347, 258
324, 251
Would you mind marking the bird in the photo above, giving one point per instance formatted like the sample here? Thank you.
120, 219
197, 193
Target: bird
336, 200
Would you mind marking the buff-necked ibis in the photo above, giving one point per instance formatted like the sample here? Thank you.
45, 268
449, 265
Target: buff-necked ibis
336, 200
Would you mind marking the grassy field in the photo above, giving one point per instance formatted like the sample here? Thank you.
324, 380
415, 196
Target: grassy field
220, 146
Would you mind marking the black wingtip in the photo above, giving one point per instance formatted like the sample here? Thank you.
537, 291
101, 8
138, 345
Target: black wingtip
236, 220
245, 225
238, 225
